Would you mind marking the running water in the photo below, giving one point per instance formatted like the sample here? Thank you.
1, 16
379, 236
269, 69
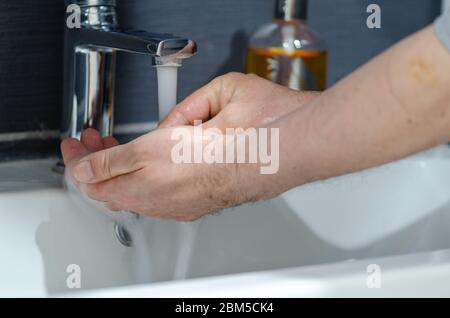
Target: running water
187, 232
167, 87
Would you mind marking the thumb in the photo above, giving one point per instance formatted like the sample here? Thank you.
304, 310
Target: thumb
107, 164
202, 105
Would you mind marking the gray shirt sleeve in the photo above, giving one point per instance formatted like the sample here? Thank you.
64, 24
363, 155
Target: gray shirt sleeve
442, 28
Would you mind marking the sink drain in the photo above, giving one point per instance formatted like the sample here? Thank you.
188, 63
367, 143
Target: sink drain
123, 235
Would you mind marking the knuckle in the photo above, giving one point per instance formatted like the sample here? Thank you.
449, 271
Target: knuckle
105, 164
100, 163
229, 77
252, 77
235, 75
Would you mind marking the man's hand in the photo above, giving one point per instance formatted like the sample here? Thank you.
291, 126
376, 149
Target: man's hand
141, 177
237, 100
91, 141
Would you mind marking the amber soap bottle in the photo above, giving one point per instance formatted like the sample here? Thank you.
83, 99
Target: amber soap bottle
287, 51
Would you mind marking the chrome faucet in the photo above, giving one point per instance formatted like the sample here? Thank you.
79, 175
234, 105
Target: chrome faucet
90, 58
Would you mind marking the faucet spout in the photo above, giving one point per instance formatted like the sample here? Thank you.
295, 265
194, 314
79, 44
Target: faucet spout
158, 45
90, 59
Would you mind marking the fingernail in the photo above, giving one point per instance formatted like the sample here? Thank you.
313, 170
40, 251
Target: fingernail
83, 172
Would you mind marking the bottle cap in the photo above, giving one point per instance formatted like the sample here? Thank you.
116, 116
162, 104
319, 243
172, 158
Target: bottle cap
289, 10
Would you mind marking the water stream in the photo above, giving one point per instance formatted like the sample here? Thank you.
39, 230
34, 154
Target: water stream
167, 87
187, 232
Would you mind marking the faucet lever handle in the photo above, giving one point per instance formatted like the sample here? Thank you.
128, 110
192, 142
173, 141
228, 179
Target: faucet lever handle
158, 45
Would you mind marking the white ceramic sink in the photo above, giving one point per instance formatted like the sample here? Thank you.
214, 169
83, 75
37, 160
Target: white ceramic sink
315, 240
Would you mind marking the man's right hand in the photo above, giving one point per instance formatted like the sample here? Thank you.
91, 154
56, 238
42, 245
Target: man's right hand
237, 100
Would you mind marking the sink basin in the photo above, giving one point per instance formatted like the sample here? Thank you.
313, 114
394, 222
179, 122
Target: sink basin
315, 240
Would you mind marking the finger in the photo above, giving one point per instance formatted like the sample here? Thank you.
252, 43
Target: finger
109, 142
92, 140
109, 163
119, 191
202, 105
71, 149
122, 194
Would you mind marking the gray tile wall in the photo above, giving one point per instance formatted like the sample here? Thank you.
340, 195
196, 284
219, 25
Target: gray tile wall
30, 64
31, 47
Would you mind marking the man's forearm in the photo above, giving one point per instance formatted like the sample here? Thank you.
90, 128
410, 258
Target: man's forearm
395, 105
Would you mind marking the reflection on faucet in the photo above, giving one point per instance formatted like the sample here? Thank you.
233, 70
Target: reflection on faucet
90, 58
